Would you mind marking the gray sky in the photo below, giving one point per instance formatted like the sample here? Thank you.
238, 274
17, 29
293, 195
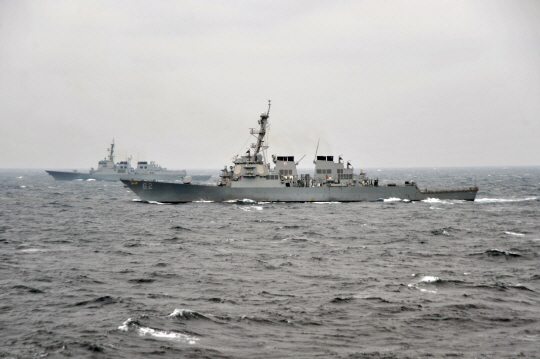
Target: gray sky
383, 83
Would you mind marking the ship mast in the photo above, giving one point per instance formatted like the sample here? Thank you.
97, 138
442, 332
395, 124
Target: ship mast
111, 152
262, 131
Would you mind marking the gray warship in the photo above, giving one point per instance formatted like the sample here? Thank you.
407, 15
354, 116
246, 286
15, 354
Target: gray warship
109, 171
253, 178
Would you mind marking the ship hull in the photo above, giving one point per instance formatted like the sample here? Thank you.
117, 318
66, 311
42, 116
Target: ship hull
178, 193
71, 176
68, 176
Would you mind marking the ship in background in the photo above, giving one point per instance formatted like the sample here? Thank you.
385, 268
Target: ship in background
109, 171
252, 177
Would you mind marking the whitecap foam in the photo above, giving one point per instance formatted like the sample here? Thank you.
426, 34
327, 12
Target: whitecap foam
250, 208
125, 326
514, 233
425, 279
91, 179
429, 279
160, 334
247, 200
392, 199
415, 286
186, 314
437, 200
33, 250
503, 200
203, 201
181, 313
166, 334
244, 201
23, 186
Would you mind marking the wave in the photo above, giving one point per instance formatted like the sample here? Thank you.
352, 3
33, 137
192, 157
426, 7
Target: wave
142, 280
241, 201
248, 209
498, 286
132, 325
438, 200
395, 199
514, 233
505, 200
33, 250
101, 301
496, 252
24, 288
380, 299
150, 202
342, 299
256, 319
186, 314
429, 280
521, 287
180, 228
440, 231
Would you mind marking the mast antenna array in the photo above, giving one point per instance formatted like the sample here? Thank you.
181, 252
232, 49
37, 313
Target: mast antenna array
268, 112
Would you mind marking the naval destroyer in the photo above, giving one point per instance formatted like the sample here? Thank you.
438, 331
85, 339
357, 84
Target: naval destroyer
109, 171
253, 177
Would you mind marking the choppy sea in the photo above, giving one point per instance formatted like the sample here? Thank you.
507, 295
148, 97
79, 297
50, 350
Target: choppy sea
88, 271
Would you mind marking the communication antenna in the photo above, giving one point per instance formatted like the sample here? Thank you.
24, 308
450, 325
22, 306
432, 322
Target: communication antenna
317, 150
268, 112
296, 163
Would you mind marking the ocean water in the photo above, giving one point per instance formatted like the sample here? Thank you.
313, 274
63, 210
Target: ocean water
88, 271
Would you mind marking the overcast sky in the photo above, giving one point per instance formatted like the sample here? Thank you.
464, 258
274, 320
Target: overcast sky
383, 83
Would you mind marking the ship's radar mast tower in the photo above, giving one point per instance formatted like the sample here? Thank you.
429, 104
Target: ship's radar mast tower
262, 130
111, 152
